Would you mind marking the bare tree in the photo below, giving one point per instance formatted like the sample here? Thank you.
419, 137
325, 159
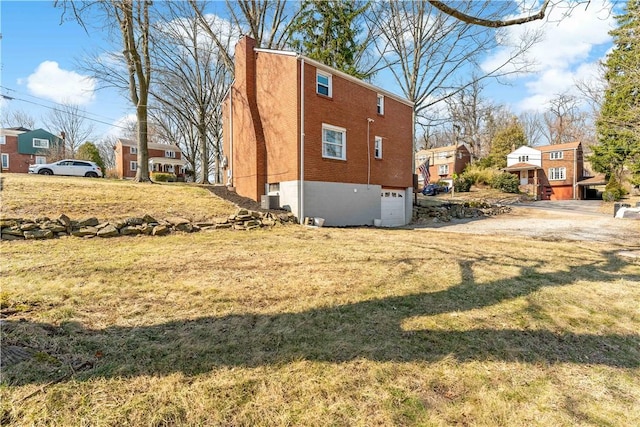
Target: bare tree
193, 81
106, 147
17, 118
564, 121
69, 121
425, 50
533, 126
133, 22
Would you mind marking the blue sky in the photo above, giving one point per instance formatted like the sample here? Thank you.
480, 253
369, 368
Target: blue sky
40, 60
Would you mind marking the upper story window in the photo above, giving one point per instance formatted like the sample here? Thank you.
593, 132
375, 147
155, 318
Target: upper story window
443, 154
40, 143
3, 139
443, 169
557, 174
556, 155
334, 142
133, 150
323, 83
380, 104
170, 154
523, 159
377, 147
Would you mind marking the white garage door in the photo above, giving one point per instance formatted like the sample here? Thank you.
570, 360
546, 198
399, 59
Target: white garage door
392, 208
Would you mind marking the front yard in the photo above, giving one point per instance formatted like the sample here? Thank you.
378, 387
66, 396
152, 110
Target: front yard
319, 326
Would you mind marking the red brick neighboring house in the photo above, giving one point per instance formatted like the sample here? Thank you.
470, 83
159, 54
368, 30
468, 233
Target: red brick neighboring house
443, 162
162, 158
316, 141
550, 172
21, 147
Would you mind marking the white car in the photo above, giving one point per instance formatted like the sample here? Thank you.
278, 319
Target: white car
68, 167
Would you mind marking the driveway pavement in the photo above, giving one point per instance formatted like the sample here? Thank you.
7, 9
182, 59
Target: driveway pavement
583, 207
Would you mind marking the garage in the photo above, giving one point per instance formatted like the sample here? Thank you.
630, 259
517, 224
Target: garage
392, 207
562, 192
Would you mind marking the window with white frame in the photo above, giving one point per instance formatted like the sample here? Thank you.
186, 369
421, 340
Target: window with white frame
443, 169
556, 155
557, 174
40, 143
133, 150
380, 104
170, 154
5, 161
323, 83
377, 147
3, 139
334, 142
133, 166
523, 159
444, 154
41, 160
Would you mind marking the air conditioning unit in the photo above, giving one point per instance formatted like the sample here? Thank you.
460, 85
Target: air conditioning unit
270, 201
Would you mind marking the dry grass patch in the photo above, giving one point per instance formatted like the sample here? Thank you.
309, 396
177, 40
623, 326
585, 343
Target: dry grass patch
299, 326
36, 195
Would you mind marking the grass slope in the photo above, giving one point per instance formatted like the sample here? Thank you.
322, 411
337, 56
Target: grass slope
314, 327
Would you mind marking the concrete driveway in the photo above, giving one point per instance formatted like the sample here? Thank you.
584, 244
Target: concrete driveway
583, 207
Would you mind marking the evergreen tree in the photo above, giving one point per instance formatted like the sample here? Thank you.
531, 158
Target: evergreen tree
619, 122
88, 151
505, 141
328, 31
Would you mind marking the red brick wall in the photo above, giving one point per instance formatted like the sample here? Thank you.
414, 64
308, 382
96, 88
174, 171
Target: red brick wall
18, 163
349, 107
569, 162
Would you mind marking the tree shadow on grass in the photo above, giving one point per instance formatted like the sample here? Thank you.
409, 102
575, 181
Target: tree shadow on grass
370, 330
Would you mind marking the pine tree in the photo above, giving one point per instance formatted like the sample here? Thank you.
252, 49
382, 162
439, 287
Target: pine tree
505, 141
619, 122
89, 151
328, 31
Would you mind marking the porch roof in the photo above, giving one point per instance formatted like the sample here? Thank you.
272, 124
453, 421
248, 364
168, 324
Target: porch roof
521, 167
599, 179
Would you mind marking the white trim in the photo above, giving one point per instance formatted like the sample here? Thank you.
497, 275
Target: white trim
380, 104
377, 147
556, 155
5, 156
133, 150
343, 144
329, 84
40, 140
561, 171
3, 139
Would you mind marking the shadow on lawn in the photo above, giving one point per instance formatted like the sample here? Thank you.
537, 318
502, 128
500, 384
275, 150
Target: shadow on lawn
370, 330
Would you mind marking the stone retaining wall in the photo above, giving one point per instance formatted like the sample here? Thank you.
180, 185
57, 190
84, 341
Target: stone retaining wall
447, 211
46, 228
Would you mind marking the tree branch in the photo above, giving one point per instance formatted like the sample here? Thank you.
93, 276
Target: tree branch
491, 23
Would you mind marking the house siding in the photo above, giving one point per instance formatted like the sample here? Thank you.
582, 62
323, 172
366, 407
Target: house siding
21, 151
262, 138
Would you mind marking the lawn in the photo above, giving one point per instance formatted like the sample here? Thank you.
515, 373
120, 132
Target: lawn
299, 326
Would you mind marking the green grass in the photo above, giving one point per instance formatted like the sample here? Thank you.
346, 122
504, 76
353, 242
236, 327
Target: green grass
320, 327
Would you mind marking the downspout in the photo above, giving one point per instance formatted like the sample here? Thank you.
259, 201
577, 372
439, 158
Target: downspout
575, 172
230, 177
369, 121
301, 199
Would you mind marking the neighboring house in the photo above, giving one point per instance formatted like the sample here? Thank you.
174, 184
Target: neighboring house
443, 162
303, 136
550, 172
20, 147
162, 158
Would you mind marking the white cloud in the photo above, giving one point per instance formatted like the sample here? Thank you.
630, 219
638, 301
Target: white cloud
565, 52
59, 85
120, 126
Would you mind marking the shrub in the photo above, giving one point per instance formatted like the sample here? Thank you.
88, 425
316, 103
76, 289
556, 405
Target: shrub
479, 174
613, 191
506, 182
463, 183
163, 177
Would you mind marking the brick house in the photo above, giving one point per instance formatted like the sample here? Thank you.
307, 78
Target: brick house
550, 172
21, 147
443, 162
162, 158
323, 144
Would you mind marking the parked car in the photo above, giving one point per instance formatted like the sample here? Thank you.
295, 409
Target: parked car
68, 167
434, 189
